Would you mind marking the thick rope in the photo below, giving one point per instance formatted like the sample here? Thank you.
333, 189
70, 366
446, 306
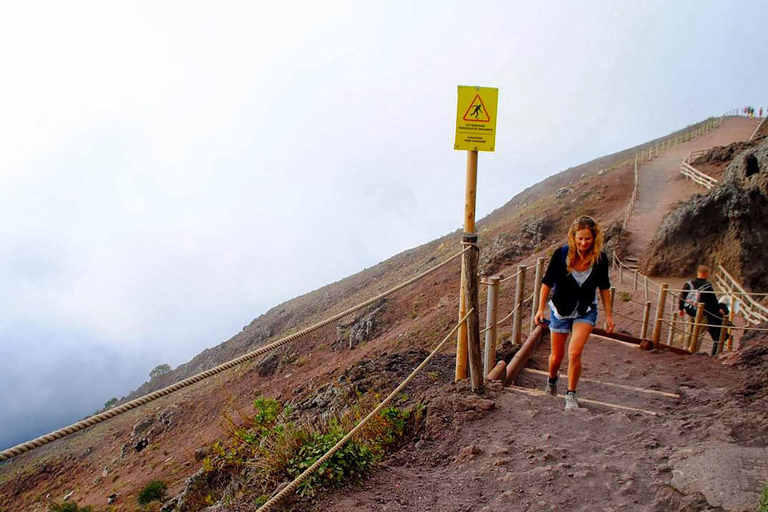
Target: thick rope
98, 418
627, 317
510, 277
498, 323
741, 328
293, 485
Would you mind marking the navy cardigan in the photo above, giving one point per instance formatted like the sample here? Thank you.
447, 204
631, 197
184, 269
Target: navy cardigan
567, 295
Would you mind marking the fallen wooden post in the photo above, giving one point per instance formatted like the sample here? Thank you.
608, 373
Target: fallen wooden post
498, 372
526, 350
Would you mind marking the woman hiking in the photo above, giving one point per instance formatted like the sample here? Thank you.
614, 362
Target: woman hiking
575, 273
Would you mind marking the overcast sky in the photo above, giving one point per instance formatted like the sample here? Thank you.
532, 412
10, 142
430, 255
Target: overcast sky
171, 170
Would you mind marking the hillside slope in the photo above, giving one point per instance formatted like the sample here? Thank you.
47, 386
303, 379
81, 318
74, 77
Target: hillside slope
168, 438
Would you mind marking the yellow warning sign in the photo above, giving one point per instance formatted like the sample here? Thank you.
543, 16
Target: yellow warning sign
476, 118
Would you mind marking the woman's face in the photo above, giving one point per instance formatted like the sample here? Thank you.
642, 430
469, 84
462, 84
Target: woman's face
584, 240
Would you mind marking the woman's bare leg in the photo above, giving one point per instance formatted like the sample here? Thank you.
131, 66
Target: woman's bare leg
557, 352
581, 332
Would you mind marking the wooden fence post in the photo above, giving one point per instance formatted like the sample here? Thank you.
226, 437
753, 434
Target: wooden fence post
517, 318
659, 315
613, 303
731, 332
645, 286
646, 316
635, 279
470, 258
621, 272
718, 346
536, 290
671, 334
490, 324
693, 347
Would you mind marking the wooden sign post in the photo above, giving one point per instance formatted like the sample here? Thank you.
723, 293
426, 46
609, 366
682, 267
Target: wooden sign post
475, 131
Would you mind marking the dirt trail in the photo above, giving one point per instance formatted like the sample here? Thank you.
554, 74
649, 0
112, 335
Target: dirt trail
527, 453
660, 184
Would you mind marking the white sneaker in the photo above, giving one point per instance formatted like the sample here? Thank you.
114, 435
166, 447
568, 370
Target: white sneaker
571, 402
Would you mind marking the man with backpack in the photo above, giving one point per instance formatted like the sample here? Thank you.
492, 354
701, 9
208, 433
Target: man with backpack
701, 290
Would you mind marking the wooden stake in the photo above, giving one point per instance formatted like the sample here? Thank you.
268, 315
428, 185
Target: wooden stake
646, 316
461, 342
470, 199
718, 347
621, 273
536, 290
490, 324
645, 286
671, 334
613, 304
731, 332
659, 315
635, 279
696, 332
473, 323
517, 319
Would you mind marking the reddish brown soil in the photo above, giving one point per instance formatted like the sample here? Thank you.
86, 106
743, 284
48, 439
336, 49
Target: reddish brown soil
527, 453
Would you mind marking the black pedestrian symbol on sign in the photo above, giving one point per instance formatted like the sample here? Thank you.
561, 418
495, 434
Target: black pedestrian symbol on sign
477, 113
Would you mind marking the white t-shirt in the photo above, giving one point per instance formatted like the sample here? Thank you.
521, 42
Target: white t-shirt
580, 277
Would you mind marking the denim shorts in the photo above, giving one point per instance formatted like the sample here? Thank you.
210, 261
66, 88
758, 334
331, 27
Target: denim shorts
566, 324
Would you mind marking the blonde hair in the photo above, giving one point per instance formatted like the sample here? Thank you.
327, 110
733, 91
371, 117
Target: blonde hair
593, 254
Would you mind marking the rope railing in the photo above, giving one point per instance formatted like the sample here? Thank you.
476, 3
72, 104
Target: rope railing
615, 313
514, 310
631, 204
666, 143
98, 418
509, 277
299, 479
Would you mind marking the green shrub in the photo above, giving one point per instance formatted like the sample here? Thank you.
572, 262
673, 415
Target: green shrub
351, 461
267, 411
764, 500
68, 506
154, 491
625, 296
272, 448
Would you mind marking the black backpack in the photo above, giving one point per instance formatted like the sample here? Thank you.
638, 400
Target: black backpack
691, 303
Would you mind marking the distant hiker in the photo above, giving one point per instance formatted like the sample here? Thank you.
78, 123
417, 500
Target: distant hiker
701, 290
575, 272
760, 114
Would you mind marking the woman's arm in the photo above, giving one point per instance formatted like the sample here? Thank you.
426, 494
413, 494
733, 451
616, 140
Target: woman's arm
605, 295
543, 298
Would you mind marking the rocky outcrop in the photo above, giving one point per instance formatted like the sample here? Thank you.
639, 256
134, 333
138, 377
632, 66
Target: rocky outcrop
726, 226
504, 249
363, 327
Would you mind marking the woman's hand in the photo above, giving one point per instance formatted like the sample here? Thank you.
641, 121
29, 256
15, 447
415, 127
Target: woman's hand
539, 316
609, 323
